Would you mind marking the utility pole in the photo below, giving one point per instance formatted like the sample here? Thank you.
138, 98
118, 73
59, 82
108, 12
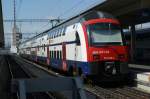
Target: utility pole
15, 34
1, 27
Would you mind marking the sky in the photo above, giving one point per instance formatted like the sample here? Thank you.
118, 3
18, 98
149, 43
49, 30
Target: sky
41, 9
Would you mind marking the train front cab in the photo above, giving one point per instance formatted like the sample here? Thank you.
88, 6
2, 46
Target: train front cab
106, 53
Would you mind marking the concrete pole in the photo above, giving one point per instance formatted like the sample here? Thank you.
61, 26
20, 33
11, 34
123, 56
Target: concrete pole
1, 27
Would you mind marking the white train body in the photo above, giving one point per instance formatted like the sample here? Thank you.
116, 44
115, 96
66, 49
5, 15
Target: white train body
69, 47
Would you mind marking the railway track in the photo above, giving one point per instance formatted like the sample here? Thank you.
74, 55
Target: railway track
132, 93
17, 72
124, 92
117, 93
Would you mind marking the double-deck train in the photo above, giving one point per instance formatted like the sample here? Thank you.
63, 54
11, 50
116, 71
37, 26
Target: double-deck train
88, 44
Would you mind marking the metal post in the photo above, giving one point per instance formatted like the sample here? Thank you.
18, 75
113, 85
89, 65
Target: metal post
133, 43
22, 91
80, 93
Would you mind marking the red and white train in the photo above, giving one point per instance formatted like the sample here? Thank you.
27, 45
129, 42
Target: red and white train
89, 44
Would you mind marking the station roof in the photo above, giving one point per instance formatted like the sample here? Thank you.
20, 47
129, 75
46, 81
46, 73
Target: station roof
127, 11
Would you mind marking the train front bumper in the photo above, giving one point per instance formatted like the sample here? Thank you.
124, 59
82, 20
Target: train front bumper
98, 68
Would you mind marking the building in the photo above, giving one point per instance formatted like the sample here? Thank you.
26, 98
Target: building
15, 39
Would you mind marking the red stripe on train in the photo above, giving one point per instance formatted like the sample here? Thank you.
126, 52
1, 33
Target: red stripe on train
93, 21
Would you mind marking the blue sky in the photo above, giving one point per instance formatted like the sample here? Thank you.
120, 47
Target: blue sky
42, 9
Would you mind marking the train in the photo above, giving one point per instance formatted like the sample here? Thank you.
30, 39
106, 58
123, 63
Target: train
90, 44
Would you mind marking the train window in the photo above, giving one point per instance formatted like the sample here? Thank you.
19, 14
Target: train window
49, 54
44, 47
57, 54
74, 26
54, 54
60, 31
49, 35
64, 30
38, 48
77, 38
60, 55
52, 35
56, 34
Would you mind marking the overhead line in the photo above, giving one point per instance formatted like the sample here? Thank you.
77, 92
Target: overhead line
22, 33
33, 20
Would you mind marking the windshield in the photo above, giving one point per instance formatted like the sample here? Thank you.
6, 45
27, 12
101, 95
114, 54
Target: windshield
104, 33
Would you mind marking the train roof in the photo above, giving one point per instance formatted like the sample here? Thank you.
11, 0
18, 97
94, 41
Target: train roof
78, 18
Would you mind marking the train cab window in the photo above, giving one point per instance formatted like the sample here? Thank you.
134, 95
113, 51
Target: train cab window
77, 39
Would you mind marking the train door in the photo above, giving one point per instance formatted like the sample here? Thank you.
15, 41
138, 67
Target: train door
48, 56
64, 63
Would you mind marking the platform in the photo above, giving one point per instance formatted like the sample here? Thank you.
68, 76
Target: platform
142, 74
139, 68
143, 81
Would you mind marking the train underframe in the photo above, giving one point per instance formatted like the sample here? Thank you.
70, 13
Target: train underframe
105, 71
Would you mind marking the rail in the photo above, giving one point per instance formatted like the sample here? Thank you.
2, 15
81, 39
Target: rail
49, 84
105, 93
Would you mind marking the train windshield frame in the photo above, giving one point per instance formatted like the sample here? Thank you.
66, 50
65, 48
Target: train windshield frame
104, 34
